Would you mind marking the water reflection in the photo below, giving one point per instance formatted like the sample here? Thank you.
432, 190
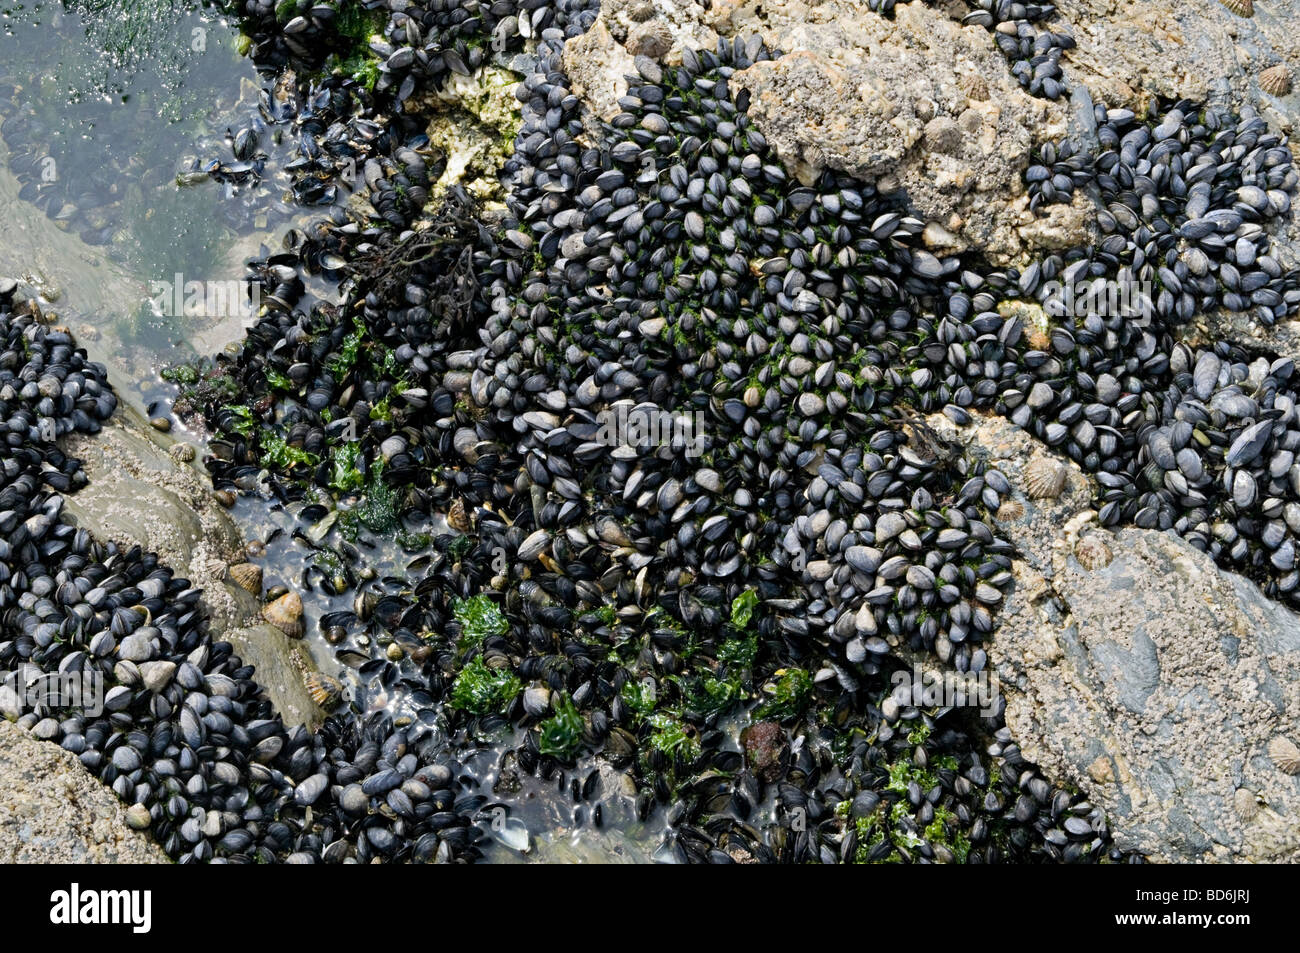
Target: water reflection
119, 128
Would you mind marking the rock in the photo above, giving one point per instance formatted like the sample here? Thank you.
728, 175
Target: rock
474, 121
884, 100
765, 749
684, 20
1154, 682
56, 812
942, 134
140, 495
89, 282
1128, 53
1062, 227
596, 65
1034, 525
614, 846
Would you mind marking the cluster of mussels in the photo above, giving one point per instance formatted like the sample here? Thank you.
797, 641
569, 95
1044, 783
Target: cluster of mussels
801, 533
671, 409
1201, 441
672, 268
1034, 53
185, 736
1186, 198
303, 31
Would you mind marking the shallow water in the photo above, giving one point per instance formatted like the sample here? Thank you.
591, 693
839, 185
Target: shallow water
105, 104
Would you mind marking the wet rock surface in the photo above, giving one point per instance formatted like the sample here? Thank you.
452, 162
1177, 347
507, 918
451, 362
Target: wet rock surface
1283, 339
32, 248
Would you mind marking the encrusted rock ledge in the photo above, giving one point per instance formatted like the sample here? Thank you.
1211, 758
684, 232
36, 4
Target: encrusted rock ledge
915, 102
1135, 669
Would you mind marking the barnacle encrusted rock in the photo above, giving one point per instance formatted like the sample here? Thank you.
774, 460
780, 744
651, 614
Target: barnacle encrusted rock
1176, 674
1156, 682
474, 121
54, 811
1129, 53
885, 100
597, 67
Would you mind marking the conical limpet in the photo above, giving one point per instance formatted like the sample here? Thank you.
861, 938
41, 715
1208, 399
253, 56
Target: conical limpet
285, 613
1285, 754
248, 576
1045, 478
1092, 552
325, 690
1009, 511
1246, 804
974, 86
1276, 80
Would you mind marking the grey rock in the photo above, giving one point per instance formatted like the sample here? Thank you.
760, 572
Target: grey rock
54, 811
1153, 683
1156, 683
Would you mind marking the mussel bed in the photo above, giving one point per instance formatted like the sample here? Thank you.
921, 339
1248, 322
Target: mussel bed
718, 614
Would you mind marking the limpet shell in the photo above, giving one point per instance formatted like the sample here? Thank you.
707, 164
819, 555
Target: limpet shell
1009, 511
1246, 804
285, 613
247, 576
182, 452
457, 518
1276, 80
973, 86
1284, 753
1092, 552
1045, 478
652, 39
1243, 8
325, 690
